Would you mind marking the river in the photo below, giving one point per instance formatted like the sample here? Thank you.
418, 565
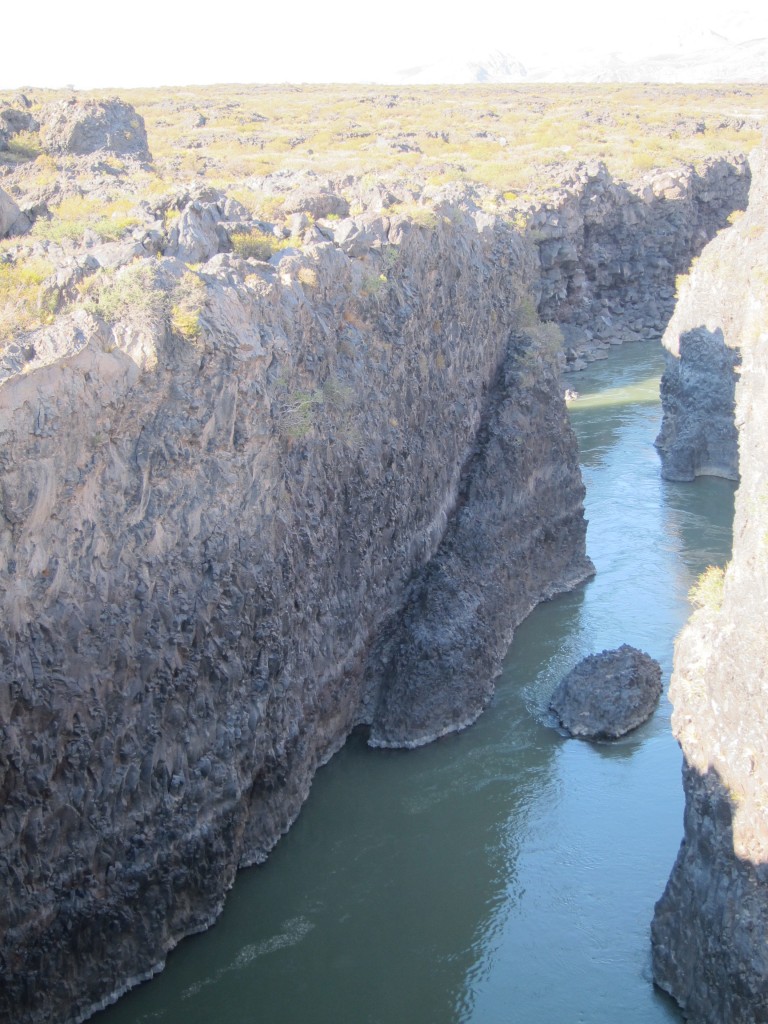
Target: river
505, 875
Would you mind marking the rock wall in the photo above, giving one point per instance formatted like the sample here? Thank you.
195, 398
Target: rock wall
704, 337
698, 435
210, 548
710, 926
610, 252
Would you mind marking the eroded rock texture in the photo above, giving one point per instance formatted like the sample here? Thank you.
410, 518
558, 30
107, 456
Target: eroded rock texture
609, 252
9, 213
698, 434
608, 694
202, 545
710, 929
704, 337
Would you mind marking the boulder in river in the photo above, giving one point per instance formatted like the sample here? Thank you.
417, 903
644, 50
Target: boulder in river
608, 694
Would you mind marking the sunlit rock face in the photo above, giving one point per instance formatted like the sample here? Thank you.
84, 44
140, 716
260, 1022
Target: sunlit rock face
710, 926
704, 339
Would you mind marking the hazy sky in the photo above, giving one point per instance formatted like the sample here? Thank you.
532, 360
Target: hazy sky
92, 44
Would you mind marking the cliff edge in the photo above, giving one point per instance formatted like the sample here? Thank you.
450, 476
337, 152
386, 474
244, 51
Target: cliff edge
319, 491
710, 926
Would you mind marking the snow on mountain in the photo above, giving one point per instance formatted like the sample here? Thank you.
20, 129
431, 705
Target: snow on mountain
734, 49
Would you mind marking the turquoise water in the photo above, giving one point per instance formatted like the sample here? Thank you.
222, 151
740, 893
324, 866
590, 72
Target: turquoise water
505, 875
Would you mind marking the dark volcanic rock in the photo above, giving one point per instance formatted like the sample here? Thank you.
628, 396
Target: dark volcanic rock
608, 694
319, 496
710, 926
698, 390
79, 127
207, 543
610, 252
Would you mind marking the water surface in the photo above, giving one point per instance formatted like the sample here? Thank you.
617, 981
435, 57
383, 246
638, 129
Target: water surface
505, 875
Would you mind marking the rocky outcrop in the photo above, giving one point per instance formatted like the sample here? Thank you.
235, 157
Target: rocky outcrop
704, 337
609, 252
608, 694
228, 537
203, 226
698, 389
710, 926
78, 127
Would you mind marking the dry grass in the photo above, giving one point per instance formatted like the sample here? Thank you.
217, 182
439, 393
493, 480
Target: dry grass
511, 137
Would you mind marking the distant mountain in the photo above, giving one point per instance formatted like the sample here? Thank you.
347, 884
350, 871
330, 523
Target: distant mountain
728, 62
733, 50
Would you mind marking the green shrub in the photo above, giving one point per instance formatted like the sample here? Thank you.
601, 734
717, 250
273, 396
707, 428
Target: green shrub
24, 303
76, 214
707, 591
131, 295
25, 144
256, 244
302, 407
187, 301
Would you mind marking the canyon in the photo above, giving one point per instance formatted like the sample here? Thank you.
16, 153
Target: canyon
252, 502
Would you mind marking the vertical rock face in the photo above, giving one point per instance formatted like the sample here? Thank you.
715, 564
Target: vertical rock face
711, 924
438, 657
220, 553
704, 338
610, 252
698, 435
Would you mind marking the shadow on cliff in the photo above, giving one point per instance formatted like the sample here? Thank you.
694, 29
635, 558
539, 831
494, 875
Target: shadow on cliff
698, 434
709, 927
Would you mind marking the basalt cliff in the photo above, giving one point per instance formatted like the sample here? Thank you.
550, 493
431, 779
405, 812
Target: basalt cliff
252, 498
711, 924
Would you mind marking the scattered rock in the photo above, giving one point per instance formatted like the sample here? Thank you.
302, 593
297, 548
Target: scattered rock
608, 694
79, 127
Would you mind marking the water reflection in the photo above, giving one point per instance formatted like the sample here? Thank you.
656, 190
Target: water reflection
506, 874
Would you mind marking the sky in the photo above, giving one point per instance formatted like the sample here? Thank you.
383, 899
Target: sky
93, 44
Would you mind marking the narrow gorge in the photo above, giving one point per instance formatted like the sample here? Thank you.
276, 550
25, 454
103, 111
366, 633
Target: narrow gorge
327, 504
